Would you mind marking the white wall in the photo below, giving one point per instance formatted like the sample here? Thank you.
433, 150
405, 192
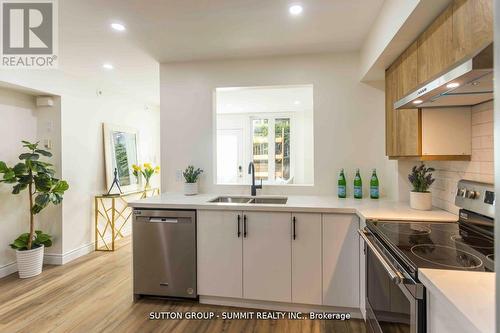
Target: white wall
82, 156
18, 122
349, 121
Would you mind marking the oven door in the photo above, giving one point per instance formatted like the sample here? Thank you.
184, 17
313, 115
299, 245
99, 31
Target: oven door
394, 301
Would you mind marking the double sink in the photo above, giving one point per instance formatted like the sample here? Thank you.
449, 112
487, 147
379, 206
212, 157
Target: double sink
250, 200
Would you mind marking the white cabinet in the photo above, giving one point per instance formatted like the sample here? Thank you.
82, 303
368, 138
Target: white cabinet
443, 318
340, 260
267, 256
219, 254
306, 258
362, 272
320, 265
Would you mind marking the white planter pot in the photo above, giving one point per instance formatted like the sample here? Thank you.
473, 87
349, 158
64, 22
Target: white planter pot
29, 262
190, 188
421, 200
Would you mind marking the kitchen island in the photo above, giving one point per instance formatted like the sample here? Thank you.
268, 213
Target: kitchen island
302, 255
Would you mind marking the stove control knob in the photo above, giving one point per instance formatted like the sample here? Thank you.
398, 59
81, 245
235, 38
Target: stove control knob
472, 194
461, 192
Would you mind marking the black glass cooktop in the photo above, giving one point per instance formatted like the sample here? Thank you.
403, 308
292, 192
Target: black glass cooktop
436, 245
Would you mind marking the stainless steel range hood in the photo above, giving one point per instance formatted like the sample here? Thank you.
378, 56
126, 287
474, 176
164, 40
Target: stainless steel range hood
470, 83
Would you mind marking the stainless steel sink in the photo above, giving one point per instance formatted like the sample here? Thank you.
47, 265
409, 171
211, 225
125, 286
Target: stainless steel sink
231, 199
269, 201
251, 200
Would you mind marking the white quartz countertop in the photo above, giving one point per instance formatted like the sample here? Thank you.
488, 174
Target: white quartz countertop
472, 294
380, 209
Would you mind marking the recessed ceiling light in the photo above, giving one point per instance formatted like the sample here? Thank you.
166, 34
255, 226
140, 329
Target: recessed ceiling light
118, 26
453, 85
417, 101
296, 10
107, 66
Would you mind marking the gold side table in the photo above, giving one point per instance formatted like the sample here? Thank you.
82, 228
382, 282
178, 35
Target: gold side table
112, 213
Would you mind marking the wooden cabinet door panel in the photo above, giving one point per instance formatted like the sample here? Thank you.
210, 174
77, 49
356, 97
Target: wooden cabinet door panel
435, 47
472, 27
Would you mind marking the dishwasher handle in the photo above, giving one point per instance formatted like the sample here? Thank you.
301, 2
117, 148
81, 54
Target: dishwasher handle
163, 220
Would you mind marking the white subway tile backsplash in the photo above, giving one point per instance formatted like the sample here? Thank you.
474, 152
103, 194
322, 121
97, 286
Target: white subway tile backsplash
476, 142
486, 141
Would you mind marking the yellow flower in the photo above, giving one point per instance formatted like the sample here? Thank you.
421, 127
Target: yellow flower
136, 167
147, 166
157, 169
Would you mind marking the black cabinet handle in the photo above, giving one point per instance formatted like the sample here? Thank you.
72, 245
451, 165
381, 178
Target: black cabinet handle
293, 225
239, 231
244, 226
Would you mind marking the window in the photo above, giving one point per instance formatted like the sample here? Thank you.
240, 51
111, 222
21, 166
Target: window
269, 126
272, 162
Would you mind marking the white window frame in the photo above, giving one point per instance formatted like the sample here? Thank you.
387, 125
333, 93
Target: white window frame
271, 148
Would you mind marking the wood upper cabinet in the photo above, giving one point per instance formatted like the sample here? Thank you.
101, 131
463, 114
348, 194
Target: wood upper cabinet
403, 126
472, 27
435, 47
462, 30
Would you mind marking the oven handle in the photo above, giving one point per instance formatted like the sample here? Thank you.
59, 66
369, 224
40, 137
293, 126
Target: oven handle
395, 275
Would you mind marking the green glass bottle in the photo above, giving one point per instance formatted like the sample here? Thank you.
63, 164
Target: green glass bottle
358, 186
342, 185
374, 190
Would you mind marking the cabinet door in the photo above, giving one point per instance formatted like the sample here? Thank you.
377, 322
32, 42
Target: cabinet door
219, 254
435, 47
390, 113
472, 27
402, 126
340, 260
267, 256
306, 258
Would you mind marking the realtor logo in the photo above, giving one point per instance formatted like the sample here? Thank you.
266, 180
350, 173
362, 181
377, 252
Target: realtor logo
29, 33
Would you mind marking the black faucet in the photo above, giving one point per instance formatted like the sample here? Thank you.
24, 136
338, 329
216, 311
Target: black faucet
251, 171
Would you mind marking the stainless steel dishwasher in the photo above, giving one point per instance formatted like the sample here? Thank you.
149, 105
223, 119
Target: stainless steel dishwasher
164, 253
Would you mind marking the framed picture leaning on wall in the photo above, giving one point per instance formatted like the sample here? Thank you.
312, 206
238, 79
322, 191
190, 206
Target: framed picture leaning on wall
120, 153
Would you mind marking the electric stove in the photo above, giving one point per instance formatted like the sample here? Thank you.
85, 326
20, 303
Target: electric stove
396, 250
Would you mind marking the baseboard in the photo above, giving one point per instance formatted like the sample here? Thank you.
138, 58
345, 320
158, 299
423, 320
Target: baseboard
52, 259
277, 306
8, 269
61, 259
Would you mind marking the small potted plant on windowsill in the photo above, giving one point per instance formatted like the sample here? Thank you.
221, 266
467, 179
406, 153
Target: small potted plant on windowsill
421, 179
43, 188
191, 176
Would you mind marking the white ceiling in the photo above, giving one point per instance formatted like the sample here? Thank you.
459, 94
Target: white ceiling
182, 30
264, 99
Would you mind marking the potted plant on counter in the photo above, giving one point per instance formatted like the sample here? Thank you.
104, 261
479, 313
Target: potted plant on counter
43, 189
421, 179
191, 180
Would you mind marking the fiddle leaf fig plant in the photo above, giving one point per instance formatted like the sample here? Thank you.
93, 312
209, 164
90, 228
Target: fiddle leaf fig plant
43, 189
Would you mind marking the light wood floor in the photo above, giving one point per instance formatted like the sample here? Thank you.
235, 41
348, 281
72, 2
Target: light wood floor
94, 294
